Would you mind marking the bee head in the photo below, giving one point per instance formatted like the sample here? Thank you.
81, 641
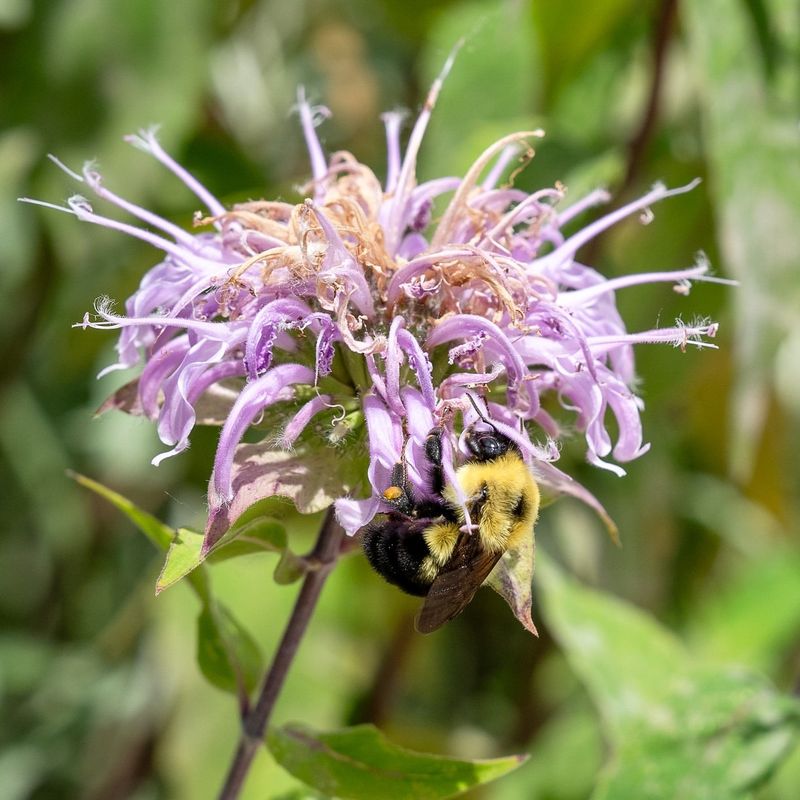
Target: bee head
487, 445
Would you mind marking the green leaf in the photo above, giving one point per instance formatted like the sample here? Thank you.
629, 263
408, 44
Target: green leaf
183, 556
512, 579
157, 532
311, 477
301, 793
726, 732
259, 534
621, 655
359, 763
290, 568
566, 755
606, 169
227, 655
755, 617
162, 536
678, 729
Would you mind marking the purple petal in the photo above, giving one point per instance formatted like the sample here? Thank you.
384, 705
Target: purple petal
146, 140
353, 515
559, 482
310, 118
161, 364
264, 331
255, 396
298, 422
420, 364
393, 358
177, 414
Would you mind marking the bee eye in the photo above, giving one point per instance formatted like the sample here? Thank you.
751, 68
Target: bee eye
490, 446
486, 446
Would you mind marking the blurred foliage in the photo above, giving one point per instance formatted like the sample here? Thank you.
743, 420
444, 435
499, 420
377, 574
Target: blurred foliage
101, 695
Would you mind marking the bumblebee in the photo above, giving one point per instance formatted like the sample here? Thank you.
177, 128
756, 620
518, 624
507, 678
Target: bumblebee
423, 546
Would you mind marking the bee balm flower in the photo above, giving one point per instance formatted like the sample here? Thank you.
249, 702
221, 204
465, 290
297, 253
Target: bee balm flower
355, 320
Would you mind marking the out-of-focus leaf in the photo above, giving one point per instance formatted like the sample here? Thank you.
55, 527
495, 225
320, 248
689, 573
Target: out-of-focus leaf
784, 785
619, 653
19, 147
569, 33
604, 170
311, 478
753, 619
14, 13
767, 41
490, 89
787, 376
511, 579
724, 734
361, 764
752, 146
24, 661
21, 768
301, 794
32, 448
157, 532
554, 483
678, 729
227, 655
148, 68
723, 508
565, 757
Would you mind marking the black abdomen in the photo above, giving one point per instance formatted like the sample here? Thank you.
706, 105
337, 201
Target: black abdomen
395, 547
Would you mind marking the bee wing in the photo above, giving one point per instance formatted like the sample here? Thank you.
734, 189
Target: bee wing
455, 586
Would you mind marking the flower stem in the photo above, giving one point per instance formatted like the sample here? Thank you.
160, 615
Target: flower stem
254, 723
664, 28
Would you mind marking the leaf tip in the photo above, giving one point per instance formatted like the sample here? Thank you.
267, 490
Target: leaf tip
613, 531
528, 624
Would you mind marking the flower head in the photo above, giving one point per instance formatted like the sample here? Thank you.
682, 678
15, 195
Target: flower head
354, 318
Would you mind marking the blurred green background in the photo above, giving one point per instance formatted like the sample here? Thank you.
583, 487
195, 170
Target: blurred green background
101, 697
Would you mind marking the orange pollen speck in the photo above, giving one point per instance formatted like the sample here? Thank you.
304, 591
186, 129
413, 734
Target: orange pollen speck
392, 493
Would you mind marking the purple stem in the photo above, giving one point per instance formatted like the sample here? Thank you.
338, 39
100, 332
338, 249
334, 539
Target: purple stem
254, 723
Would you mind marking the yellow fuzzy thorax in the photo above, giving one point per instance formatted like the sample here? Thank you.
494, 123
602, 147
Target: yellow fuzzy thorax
503, 485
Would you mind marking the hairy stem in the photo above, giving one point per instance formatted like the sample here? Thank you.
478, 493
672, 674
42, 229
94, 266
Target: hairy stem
254, 723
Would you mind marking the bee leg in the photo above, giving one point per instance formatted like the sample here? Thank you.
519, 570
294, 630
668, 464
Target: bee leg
399, 493
433, 452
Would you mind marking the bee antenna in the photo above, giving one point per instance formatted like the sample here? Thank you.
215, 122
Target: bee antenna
478, 411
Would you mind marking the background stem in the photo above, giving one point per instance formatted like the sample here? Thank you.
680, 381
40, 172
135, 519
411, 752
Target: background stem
254, 724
